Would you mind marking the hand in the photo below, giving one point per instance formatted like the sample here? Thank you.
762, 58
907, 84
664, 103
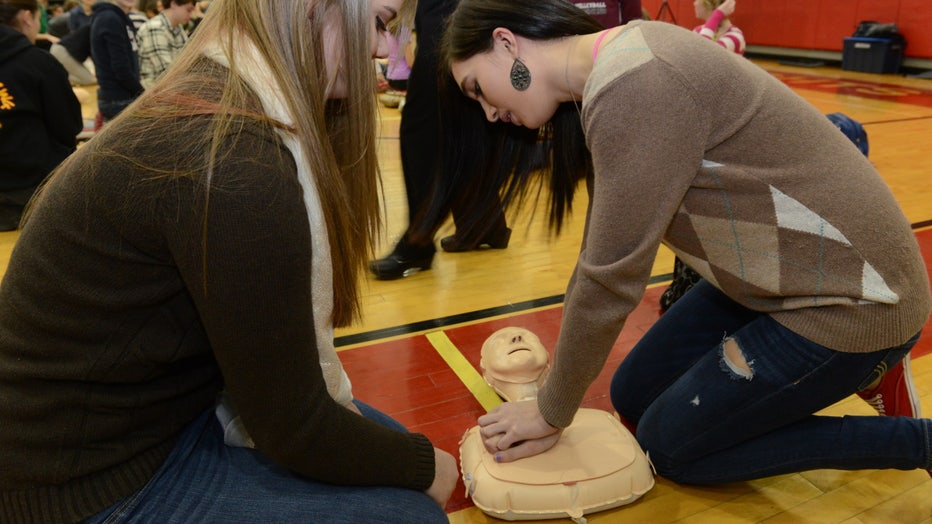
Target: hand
515, 430
50, 38
445, 476
727, 8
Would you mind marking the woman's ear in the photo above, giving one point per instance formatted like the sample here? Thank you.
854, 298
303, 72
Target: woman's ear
505, 38
24, 19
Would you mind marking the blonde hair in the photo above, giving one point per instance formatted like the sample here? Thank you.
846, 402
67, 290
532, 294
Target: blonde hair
337, 136
712, 4
339, 143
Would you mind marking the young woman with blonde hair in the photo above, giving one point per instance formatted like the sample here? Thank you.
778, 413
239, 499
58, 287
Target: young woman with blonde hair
210, 238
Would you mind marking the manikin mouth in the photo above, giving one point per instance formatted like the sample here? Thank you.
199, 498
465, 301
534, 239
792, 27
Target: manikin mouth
515, 350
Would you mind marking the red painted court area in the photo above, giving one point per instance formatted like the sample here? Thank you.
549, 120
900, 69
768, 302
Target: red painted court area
410, 381
879, 91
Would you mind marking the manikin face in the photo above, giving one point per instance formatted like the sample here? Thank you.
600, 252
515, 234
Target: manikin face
514, 354
486, 78
380, 13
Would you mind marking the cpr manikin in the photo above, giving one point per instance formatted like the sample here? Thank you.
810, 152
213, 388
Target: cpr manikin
596, 465
514, 363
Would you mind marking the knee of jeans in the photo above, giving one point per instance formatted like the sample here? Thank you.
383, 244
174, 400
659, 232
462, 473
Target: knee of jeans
734, 362
621, 402
667, 466
659, 440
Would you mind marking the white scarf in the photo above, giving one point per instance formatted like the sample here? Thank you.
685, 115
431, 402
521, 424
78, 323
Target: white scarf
256, 74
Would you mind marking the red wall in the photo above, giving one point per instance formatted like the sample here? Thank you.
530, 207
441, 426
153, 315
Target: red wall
815, 24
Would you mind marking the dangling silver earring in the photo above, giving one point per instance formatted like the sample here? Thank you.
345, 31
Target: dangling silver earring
520, 75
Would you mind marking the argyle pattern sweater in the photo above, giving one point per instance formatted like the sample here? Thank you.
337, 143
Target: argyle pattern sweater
701, 150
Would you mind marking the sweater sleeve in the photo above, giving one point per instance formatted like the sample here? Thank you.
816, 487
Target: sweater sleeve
248, 266
645, 153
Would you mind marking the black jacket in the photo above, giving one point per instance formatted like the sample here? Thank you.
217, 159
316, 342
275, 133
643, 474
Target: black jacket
39, 114
115, 53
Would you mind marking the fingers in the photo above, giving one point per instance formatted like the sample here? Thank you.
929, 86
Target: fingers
512, 423
490, 417
526, 448
498, 442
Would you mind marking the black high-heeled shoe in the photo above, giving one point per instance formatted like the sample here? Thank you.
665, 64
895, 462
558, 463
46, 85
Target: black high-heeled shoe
495, 240
403, 261
395, 266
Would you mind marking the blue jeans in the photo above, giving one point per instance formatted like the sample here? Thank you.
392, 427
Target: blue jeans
702, 421
205, 481
111, 108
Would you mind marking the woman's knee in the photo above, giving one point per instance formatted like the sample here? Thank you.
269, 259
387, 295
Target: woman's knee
663, 441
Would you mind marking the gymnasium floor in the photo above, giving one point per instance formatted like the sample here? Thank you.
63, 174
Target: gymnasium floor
417, 356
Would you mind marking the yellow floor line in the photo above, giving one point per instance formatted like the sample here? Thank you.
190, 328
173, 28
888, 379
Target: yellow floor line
464, 370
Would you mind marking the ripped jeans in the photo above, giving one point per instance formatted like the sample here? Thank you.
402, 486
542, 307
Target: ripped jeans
704, 418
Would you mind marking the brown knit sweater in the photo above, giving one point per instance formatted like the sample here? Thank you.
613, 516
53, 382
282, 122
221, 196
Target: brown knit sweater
701, 150
113, 338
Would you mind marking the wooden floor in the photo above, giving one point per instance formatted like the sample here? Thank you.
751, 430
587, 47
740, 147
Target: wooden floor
466, 295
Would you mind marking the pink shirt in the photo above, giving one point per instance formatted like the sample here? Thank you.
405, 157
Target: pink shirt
398, 67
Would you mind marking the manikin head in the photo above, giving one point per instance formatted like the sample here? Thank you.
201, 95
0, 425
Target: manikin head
514, 363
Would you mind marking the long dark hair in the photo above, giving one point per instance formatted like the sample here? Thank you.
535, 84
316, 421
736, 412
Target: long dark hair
482, 161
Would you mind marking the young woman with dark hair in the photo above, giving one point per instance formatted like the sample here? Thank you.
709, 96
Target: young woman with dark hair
813, 285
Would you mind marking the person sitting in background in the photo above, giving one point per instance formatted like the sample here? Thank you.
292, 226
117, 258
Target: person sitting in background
39, 113
72, 51
44, 39
58, 21
400, 59
115, 54
718, 26
80, 15
150, 8
139, 15
162, 38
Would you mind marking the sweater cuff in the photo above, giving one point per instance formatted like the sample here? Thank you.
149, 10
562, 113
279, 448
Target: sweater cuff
715, 20
425, 468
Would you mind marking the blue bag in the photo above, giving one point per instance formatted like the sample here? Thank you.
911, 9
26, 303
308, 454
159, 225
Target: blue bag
852, 129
